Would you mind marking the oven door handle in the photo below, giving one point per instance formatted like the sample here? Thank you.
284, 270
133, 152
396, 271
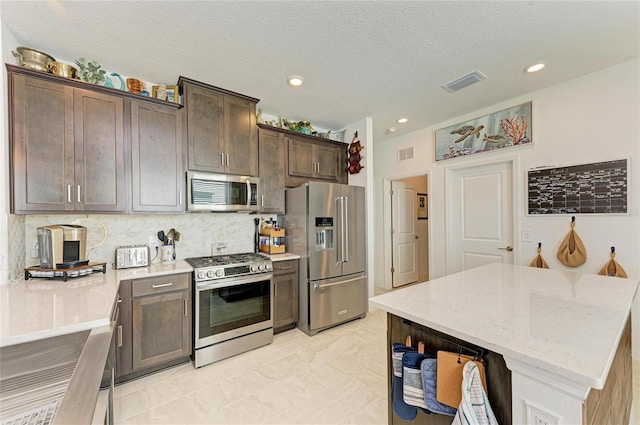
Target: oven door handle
233, 281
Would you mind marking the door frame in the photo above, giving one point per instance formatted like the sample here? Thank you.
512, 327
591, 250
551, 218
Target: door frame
450, 204
386, 224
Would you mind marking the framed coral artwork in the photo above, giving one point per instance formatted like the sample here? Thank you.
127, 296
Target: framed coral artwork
503, 129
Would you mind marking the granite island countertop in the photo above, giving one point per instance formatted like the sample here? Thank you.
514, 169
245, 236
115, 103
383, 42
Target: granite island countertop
564, 322
41, 308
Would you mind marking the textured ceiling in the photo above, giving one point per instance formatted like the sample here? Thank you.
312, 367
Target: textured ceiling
382, 59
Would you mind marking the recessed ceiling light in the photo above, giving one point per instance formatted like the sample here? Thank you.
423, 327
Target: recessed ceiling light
535, 68
295, 80
402, 120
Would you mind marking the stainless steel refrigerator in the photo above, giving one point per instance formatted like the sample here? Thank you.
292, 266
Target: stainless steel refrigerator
325, 225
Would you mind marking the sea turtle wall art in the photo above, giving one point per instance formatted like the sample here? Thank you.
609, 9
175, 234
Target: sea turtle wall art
502, 129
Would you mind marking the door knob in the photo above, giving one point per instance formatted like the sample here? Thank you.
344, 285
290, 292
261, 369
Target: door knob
417, 237
508, 249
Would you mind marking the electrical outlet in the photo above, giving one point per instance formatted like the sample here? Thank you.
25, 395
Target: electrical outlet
154, 241
539, 417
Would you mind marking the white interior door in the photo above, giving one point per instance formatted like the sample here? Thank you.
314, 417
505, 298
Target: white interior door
481, 214
403, 234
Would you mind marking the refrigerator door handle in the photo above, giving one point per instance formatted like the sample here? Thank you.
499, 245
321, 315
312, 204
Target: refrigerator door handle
345, 228
317, 286
339, 216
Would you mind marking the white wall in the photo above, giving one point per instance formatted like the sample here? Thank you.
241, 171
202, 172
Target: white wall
365, 179
592, 118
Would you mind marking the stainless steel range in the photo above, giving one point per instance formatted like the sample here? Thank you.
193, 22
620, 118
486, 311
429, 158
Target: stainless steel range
233, 305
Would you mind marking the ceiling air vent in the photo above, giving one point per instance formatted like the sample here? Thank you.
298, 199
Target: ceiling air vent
405, 154
464, 81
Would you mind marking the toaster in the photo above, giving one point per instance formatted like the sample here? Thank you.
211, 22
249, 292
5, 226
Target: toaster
132, 256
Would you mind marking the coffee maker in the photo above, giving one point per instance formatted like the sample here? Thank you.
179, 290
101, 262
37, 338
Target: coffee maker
62, 246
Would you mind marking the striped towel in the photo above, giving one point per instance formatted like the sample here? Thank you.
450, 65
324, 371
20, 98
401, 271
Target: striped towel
474, 407
412, 391
403, 410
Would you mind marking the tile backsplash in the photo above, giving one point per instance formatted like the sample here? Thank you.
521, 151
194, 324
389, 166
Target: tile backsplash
16, 239
200, 234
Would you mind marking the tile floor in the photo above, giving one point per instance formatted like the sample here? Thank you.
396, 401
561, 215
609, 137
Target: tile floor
335, 377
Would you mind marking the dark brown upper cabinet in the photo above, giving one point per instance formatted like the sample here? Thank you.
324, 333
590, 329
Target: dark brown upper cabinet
67, 147
221, 131
272, 171
158, 179
69, 140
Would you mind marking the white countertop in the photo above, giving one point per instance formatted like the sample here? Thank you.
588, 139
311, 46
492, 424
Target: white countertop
283, 257
564, 322
42, 308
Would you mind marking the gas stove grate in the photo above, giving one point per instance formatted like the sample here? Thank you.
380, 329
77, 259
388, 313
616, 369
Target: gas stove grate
227, 259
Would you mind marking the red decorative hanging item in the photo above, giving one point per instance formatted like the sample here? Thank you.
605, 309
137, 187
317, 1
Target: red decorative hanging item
353, 155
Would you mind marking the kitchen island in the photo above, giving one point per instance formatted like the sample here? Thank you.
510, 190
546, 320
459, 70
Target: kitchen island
564, 336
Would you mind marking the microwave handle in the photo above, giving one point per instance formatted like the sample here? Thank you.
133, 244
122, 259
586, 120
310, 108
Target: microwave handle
248, 192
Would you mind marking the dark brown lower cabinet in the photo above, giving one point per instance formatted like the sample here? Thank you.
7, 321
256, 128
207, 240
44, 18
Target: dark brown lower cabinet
285, 295
156, 324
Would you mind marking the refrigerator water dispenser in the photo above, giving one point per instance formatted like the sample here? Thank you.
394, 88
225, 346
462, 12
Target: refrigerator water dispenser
324, 233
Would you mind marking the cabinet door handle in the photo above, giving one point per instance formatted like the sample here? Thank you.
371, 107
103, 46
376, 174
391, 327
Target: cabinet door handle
69, 193
275, 289
180, 197
161, 285
285, 268
119, 336
227, 160
262, 200
222, 159
184, 300
78, 193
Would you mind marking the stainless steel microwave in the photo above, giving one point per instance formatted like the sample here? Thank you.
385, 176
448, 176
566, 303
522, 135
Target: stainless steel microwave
221, 192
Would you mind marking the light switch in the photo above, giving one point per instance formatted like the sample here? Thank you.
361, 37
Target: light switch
527, 235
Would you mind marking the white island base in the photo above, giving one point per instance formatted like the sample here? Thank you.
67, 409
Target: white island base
565, 338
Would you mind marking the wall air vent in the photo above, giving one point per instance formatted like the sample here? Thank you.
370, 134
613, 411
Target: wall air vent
405, 154
464, 81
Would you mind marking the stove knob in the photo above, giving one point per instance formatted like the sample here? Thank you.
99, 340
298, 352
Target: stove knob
211, 273
202, 274
220, 273
268, 266
261, 267
254, 268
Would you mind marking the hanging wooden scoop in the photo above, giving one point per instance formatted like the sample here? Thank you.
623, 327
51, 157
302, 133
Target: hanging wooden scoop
539, 261
612, 268
572, 252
